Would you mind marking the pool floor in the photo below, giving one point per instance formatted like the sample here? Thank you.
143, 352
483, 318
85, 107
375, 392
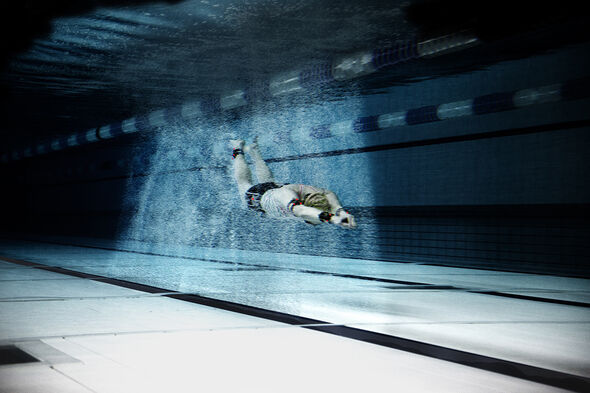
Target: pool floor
134, 317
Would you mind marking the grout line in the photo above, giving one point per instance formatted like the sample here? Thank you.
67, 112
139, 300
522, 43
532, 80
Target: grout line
73, 379
282, 326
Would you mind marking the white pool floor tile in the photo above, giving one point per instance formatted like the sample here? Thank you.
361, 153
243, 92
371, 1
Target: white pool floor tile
267, 360
37, 378
96, 337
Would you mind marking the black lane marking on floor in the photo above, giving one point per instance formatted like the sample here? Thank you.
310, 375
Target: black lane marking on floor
413, 284
534, 298
74, 273
499, 366
425, 286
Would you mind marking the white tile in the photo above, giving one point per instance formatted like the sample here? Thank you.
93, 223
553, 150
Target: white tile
534, 344
37, 379
268, 360
47, 308
71, 288
183, 346
11, 272
38, 319
547, 335
44, 353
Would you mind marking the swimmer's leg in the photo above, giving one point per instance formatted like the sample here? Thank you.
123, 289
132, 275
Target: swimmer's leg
242, 173
263, 172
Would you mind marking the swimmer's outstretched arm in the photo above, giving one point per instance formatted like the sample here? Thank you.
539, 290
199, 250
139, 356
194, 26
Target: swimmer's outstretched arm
334, 201
309, 214
289, 198
317, 216
342, 217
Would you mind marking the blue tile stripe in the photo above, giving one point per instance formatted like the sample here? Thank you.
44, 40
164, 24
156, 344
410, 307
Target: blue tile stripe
315, 75
490, 103
257, 91
424, 114
211, 105
401, 52
142, 123
116, 129
81, 138
170, 115
281, 137
321, 132
366, 124
104, 132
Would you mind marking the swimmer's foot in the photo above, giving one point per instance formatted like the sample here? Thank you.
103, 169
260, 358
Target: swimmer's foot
236, 143
238, 146
252, 146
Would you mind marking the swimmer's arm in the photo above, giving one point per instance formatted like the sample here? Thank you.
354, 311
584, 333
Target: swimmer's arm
309, 214
334, 201
289, 198
341, 216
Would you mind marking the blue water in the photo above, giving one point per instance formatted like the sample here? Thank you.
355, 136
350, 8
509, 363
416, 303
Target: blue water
188, 197
432, 192
469, 227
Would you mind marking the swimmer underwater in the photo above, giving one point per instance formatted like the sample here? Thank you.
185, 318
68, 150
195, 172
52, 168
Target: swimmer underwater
312, 204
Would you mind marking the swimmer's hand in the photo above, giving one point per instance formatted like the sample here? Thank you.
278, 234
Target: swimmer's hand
343, 219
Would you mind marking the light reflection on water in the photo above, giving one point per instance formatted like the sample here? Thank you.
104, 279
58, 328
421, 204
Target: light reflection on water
189, 196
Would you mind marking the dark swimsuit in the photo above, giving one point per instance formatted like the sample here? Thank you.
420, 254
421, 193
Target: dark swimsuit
254, 194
